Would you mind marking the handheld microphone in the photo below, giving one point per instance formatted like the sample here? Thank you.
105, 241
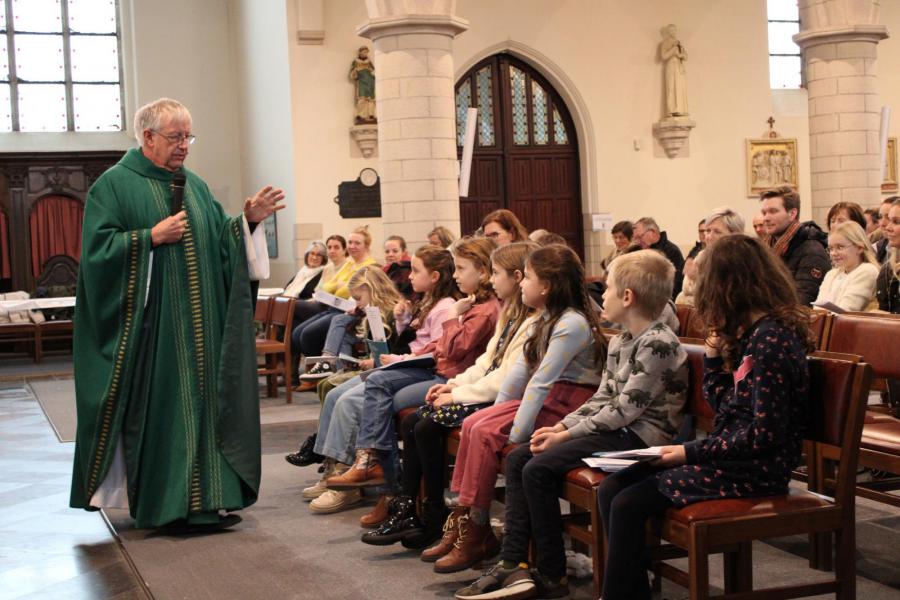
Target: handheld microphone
178, 181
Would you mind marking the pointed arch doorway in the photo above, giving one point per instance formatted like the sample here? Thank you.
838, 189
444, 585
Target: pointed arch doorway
526, 149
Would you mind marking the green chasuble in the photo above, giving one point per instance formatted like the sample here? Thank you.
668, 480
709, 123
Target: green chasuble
169, 369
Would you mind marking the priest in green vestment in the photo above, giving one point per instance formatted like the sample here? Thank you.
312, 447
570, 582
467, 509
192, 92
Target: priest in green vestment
165, 364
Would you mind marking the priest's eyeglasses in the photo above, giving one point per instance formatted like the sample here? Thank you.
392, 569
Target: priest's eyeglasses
177, 138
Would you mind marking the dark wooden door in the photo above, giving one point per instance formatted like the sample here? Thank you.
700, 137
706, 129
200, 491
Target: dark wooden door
526, 151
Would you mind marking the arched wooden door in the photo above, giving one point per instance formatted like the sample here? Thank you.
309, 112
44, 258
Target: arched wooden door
526, 151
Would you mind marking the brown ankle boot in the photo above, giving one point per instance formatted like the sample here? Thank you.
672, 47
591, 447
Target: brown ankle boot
366, 471
474, 544
377, 515
451, 530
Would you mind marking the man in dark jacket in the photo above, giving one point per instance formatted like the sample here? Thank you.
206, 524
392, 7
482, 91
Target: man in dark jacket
801, 245
648, 235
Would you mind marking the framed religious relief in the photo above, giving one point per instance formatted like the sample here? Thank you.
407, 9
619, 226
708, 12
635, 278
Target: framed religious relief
890, 167
771, 163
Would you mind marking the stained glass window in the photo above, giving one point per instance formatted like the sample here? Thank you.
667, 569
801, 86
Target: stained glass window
559, 129
463, 102
785, 59
539, 110
485, 107
519, 107
64, 74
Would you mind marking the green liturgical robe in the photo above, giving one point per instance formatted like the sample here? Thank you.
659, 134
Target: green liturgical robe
164, 351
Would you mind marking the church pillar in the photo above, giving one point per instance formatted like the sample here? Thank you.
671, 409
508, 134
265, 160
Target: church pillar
840, 39
415, 107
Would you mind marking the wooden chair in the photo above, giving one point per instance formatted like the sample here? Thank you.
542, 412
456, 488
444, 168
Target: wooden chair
17, 333
838, 399
875, 337
275, 349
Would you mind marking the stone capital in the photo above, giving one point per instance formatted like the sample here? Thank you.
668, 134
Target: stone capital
840, 34
410, 24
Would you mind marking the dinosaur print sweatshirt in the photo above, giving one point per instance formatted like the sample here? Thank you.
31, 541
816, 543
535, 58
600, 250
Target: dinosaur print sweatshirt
643, 388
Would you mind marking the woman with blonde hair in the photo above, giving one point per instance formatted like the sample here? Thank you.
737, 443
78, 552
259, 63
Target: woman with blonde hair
850, 285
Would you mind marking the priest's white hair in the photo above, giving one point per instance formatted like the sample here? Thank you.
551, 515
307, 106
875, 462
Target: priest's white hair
152, 116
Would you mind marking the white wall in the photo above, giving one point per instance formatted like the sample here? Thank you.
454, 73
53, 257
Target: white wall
260, 35
323, 110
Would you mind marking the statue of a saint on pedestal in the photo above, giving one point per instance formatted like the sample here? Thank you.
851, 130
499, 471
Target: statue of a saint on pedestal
362, 73
673, 56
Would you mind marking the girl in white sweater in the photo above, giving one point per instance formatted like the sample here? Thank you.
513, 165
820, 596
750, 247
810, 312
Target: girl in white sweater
851, 283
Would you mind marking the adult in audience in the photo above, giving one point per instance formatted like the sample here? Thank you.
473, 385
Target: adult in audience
164, 307
888, 285
872, 217
441, 237
843, 212
622, 233
303, 284
800, 245
700, 244
879, 238
851, 283
648, 235
536, 234
503, 227
759, 226
397, 264
336, 248
720, 223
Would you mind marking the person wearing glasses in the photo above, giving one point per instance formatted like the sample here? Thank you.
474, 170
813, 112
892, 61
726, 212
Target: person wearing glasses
851, 283
165, 365
503, 227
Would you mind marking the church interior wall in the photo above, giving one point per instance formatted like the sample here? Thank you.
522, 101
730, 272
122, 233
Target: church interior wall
606, 50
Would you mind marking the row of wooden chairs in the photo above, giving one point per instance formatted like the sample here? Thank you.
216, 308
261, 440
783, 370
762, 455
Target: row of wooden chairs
275, 316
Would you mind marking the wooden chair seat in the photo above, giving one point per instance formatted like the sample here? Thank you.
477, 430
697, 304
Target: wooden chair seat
585, 477
876, 417
883, 436
796, 501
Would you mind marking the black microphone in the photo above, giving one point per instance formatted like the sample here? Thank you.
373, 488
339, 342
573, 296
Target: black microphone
178, 181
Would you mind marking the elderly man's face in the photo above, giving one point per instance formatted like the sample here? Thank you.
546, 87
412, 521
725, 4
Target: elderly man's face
167, 147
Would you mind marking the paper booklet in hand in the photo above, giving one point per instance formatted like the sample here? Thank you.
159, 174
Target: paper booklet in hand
423, 361
637, 454
376, 349
334, 301
608, 465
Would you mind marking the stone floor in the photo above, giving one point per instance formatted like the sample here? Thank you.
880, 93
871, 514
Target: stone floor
48, 550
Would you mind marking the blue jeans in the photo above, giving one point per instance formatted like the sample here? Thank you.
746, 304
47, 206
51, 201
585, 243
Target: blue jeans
339, 341
339, 421
386, 393
309, 336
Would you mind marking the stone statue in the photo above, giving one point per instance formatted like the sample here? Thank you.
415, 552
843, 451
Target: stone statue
673, 57
362, 73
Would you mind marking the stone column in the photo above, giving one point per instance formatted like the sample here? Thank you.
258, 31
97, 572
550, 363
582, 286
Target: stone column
840, 42
416, 112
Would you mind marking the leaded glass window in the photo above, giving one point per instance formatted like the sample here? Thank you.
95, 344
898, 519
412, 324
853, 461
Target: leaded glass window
60, 67
463, 103
485, 107
559, 129
539, 112
519, 107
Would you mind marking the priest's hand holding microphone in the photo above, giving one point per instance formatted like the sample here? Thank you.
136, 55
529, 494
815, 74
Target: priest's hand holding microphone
256, 209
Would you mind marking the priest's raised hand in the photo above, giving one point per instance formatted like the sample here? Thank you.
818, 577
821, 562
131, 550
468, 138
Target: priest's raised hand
264, 203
